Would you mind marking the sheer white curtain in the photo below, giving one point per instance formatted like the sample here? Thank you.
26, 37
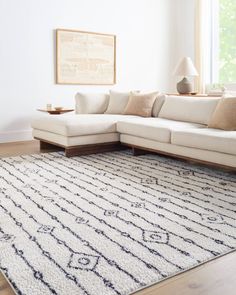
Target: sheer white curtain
206, 43
199, 42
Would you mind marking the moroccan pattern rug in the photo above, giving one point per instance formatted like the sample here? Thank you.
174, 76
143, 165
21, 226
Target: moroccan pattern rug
109, 223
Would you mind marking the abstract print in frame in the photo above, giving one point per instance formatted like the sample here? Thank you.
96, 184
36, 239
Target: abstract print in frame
85, 58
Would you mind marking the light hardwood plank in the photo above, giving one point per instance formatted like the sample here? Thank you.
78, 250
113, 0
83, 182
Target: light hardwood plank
217, 277
5, 288
22, 148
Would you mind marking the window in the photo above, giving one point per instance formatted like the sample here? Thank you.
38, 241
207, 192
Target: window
220, 40
227, 41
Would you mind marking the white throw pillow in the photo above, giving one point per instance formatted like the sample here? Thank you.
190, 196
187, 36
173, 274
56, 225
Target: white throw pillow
91, 103
188, 109
117, 102
158, 104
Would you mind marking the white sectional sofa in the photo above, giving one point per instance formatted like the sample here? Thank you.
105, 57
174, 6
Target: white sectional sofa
178, 128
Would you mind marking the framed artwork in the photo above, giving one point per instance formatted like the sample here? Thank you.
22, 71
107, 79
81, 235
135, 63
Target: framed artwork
85, 58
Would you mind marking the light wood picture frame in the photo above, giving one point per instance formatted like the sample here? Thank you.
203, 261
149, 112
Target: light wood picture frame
85, 58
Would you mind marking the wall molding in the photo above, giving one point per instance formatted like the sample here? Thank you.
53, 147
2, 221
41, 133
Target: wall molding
16, 135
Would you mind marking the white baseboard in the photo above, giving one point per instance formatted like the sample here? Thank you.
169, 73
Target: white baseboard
16, 135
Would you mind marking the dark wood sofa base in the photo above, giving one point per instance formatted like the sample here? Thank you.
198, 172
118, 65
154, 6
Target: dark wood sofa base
48, 146
83, 149
116, 146
93, 149
138, 150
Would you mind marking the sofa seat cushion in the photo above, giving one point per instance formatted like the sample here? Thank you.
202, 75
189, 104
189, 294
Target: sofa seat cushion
76, 125
206, 139
152, 128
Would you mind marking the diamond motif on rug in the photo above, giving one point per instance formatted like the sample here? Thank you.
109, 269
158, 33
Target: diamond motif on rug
6, 238
45, 229
155, 237
149, 180
186, 173
138, 205
213, 218
83, 261
81, 220
164, 200
112, 213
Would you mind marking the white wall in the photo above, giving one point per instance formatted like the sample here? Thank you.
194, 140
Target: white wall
27, 52
182, 33
145, 56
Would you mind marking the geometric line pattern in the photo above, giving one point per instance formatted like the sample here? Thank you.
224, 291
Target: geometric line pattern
109, 223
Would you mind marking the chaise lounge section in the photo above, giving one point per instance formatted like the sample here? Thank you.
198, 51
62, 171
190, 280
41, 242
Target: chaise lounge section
79, 133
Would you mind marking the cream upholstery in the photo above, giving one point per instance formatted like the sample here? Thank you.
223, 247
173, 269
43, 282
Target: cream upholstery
78, 125
152, 128
184, 133
206, 139
199, 154
75, 140
188, 109
91, 103
117, 102
158, 103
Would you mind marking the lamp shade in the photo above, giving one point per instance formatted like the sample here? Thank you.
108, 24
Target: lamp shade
185, 68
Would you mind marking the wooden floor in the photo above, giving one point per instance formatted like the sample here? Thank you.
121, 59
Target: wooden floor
217, 277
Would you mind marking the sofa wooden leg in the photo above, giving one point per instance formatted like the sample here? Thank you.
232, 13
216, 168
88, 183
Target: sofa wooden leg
138, 152
69, 153
46, 146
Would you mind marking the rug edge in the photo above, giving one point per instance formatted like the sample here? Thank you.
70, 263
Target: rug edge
8, 281
181, 272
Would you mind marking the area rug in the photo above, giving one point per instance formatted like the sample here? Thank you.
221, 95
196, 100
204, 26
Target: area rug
109, 223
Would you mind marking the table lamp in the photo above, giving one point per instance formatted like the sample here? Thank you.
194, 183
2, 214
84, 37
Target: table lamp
185, 68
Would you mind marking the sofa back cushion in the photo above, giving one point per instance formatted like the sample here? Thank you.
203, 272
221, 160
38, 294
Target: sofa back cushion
188, 109
158, 103
117, 102
91, 103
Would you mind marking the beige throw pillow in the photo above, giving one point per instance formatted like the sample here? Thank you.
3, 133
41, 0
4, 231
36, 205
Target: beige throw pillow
224, 116
140, 104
